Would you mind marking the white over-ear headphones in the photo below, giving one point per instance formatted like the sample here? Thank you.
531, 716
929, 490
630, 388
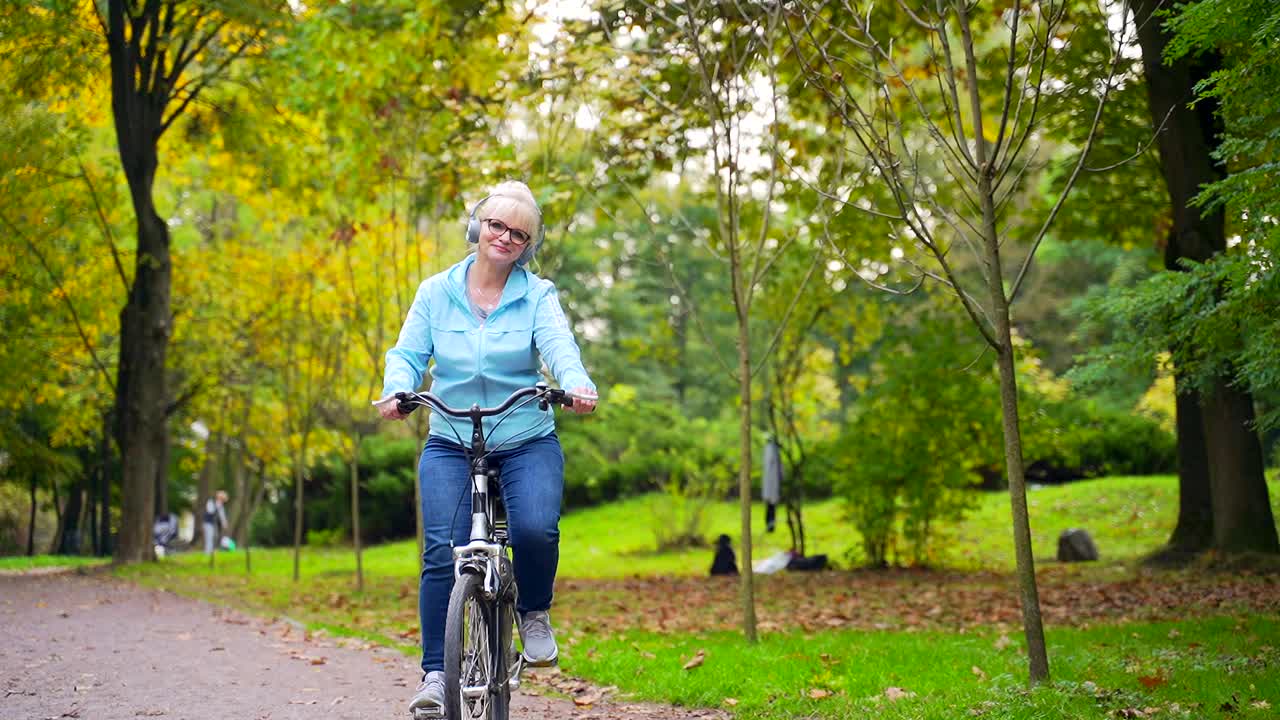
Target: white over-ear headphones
473, 229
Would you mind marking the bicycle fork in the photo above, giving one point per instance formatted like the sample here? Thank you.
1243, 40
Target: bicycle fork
486, 553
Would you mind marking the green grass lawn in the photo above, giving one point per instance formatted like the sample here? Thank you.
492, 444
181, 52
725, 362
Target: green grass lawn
1128, 517
1175, 669
833, 643
22, 562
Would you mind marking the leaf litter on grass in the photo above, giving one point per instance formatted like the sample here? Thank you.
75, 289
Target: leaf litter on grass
907, 600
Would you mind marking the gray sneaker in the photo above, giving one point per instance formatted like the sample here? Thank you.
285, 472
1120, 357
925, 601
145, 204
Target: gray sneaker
429, 700
535, 635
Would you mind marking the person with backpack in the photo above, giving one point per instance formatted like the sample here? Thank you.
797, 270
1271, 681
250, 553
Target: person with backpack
215, 520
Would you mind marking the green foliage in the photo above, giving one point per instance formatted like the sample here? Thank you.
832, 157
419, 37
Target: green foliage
307, 196
1244, 32
1215, 320
387, 465
633, 444
917, 437
1095, 439
1065, 275
1218, 318
928, 427
332, 537
638, 445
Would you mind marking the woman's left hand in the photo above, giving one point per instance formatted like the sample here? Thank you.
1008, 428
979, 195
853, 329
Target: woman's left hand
581, 405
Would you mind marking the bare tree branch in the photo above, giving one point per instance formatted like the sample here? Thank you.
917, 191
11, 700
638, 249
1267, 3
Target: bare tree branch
1075, 172
106, 226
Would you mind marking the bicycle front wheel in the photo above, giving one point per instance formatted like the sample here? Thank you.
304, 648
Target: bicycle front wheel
475, 672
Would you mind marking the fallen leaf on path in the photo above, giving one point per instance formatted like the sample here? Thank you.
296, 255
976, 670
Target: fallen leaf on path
696, 660
317, 661
593, 696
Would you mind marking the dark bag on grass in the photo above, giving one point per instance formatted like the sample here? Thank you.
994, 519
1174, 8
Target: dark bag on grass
808, 562
724, 563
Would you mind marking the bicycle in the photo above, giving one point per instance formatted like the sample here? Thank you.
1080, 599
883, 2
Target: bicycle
482, 666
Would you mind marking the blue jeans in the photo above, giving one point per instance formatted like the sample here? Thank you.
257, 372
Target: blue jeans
532, 476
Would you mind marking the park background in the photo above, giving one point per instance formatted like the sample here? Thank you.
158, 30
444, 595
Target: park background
892, 237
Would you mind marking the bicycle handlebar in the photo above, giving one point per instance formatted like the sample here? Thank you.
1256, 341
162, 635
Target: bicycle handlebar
407, 402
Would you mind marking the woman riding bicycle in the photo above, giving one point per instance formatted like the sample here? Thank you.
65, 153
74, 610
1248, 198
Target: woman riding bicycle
489, 323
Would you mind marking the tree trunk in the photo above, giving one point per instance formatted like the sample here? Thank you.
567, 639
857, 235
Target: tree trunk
145, 319
69, 539
245, 499
1242, 519
140, 399
59, 515
1194, 532
355, 511
297, 520
795, 524
1032, 624
94, 485
31, 524
260, 489
107, 468
1241, 510
746, 574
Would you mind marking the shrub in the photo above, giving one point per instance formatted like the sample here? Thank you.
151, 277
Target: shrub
635, 446
388, 468
332, 537
1096, 439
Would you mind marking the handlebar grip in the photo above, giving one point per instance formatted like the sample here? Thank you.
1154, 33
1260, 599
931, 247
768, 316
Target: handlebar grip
403, 405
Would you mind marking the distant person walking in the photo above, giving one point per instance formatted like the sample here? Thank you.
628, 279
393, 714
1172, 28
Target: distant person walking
215, 520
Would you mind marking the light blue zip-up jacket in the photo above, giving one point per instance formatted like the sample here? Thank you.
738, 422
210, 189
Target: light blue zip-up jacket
485, 361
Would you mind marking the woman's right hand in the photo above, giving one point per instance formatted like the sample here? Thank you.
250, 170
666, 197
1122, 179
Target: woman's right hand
387, 408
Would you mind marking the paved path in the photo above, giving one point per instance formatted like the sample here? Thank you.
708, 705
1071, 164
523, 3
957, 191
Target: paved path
93, 647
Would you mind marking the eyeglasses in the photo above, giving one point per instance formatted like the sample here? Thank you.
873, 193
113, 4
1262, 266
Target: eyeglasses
497, 227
